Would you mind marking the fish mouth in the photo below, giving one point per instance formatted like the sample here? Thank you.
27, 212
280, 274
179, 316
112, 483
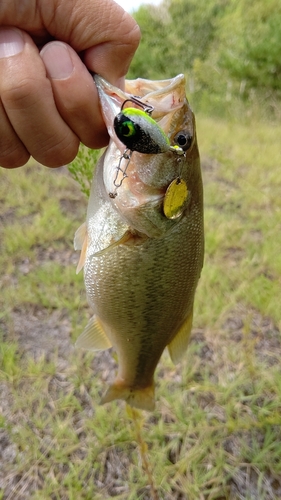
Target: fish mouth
133, 180
164, 96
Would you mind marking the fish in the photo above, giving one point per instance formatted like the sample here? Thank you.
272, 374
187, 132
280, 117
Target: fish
142, 245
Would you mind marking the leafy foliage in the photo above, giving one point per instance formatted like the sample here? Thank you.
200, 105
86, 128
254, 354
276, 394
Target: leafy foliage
188, 29
82, 167
229, 51
251, 39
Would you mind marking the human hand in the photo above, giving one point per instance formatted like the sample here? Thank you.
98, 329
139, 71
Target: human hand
48, 100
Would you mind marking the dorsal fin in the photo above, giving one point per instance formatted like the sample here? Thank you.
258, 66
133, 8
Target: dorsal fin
93, 337
178, 346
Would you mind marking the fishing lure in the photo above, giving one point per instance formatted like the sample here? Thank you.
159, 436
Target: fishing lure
140, 132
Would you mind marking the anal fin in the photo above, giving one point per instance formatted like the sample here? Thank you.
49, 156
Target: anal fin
93, 337
178, 346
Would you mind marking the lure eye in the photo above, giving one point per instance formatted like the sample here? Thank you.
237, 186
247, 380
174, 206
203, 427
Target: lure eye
127, 128
124, 127
183, 139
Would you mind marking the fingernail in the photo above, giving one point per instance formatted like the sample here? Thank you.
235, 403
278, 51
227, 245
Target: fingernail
11, 42
57, 60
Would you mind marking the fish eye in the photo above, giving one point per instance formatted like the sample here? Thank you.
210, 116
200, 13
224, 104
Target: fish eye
183, 139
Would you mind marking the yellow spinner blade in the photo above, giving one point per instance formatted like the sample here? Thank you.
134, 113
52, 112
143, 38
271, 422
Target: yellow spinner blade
175, 198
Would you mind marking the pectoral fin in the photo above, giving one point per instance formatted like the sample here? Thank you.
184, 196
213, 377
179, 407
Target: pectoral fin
80, 236
81, 243
93, 337
124, 239
178, 346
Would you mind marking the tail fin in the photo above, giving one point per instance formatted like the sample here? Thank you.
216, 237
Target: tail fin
142, 398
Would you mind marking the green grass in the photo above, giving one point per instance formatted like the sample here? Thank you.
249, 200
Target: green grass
216, 432
242, 214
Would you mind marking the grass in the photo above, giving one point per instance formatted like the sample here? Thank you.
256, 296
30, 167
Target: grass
243, 214
216, 431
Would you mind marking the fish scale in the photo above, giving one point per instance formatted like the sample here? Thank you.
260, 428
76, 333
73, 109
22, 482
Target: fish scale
141, 269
